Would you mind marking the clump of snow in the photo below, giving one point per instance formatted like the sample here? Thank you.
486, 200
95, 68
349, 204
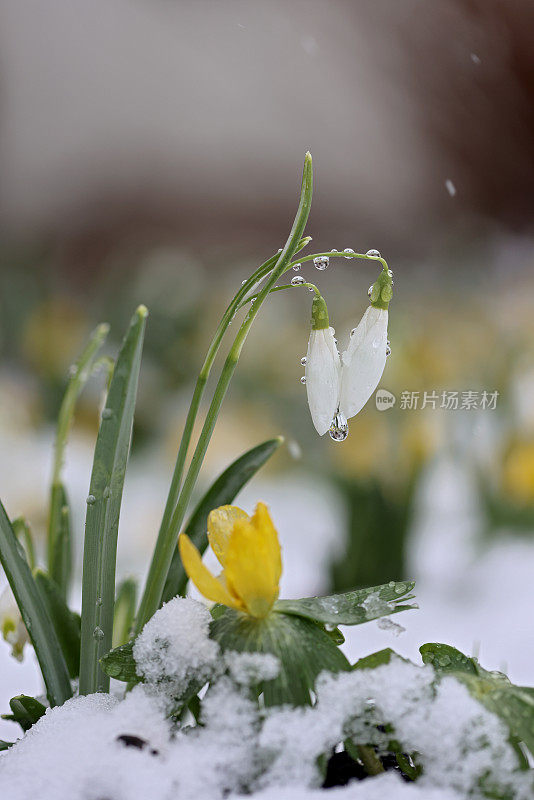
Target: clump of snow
374, 605
75, 752
174, 649
458, 741
248, 669
386, 624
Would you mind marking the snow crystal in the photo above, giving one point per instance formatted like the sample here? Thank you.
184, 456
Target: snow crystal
174, 648
247, 669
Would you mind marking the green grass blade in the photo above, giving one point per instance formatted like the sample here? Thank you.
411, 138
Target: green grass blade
58, 540
222, 492
23, 533
124, 615
34, 614
60, 560
103, 508
65, 622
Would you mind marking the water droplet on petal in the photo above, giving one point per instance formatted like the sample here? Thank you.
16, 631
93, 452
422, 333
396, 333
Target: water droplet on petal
373, 254
243, 282
107, 413
388, 348
321, 262
98, 633
91, 500
370, 290
296, 267
348, 250
353, 331
303, 379
298, 280
334, 250
311, 289
99, 601
303, 361
339, 429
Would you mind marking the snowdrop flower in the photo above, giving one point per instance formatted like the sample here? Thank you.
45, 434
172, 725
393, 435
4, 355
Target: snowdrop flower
338, 388
323, 368
12, 627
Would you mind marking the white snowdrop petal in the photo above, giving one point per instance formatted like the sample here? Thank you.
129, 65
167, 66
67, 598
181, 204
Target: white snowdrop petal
323, 378
363, 361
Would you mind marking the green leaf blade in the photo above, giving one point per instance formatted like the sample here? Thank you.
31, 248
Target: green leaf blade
34, 614
58, 538
222, 492
60, 560
104, 501
66, 623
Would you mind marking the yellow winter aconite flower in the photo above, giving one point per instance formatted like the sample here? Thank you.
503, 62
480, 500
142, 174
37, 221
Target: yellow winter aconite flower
249, 553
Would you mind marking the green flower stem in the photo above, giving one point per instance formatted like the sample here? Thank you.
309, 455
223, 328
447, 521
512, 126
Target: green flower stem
337, 254
274, 289
166, 543
369, 759
234, 306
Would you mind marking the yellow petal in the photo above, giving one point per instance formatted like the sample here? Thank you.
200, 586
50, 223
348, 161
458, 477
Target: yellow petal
253, 562
220, 524
206, 583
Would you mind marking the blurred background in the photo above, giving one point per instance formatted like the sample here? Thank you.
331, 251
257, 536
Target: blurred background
151, 152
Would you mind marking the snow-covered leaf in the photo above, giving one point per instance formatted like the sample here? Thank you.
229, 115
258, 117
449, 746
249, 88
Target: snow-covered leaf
352, 608
303, 648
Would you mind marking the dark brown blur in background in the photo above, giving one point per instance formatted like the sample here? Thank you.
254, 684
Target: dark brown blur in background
131, 121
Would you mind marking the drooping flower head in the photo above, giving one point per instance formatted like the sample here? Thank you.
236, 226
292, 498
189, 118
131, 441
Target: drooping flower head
249, 552
338, 388
323, 368
12, 627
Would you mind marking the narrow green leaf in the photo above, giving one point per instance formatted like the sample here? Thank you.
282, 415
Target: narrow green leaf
303, 648
5, 745
103, 508
119, 663
23, 533
124, 615
352, 608
222, 492
66, 623
58, 540
25, 710
34, 614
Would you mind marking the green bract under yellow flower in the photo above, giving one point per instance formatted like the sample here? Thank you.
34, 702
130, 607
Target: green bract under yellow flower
249, 553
